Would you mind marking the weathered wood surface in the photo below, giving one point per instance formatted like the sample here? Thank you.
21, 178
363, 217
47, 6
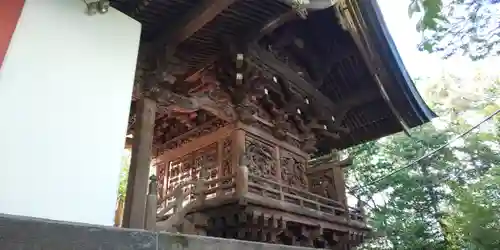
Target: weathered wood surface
137, 185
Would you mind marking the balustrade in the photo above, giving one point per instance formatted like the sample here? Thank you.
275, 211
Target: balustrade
284, 193
189, 191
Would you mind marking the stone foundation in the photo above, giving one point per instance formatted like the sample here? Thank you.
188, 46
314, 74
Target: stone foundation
35, 234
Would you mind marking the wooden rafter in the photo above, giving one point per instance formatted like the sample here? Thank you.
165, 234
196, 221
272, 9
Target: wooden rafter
262, 57
198, 17
278, 22
350, 103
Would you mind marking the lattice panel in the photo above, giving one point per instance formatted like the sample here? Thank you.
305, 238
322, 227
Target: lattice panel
190, 166
181, 170
206, 161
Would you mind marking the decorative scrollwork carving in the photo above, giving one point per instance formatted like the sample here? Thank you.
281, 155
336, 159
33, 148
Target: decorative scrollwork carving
245, 111
323, 185
261, 159
161, 168
226, 157
293, 171
203, 130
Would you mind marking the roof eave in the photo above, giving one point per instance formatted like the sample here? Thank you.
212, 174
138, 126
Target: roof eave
400, 81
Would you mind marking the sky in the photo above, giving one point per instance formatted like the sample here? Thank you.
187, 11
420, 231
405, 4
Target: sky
423, 64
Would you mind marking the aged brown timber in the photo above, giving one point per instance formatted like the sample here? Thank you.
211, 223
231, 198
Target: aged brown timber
271, 89
137, 185
192, 22
261, 57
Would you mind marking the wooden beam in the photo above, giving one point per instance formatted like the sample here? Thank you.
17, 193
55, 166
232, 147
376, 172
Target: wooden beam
329, 165
276, 23
198, 17
188, 104
197, 144
137, 186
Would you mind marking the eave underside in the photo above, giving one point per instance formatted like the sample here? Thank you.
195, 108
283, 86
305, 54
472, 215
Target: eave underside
326, 66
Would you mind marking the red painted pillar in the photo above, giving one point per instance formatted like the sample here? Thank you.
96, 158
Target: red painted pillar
10, 10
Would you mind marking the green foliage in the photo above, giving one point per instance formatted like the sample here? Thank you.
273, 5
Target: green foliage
122, 186
450, 200
468, 27
474, 221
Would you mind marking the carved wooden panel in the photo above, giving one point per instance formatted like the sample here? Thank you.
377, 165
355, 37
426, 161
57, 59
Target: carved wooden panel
161, 170
226, 158
261, 158
188, 136
293, 170
323, 184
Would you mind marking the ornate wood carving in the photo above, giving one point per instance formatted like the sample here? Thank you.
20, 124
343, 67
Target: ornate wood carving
185, 134
238, 79
324, 185
261, 159
293, 170
226, 158
161, 171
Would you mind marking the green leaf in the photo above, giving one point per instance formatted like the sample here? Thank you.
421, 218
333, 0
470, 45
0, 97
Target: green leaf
427, 46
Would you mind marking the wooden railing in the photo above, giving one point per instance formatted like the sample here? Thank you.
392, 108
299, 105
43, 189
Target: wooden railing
281, 192
209, 189
178, 203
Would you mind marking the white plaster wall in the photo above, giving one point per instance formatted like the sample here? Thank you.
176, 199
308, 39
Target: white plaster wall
65, 90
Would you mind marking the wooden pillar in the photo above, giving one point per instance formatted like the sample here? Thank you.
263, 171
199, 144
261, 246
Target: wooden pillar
150, 213
137, 186
239, 164
277, 150
338, 178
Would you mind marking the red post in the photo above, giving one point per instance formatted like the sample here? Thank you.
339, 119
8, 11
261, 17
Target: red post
10, 11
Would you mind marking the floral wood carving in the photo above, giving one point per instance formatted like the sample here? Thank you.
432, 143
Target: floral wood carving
323, 185
195, 133
217, 99
261, 159
161, 168
226, 158
293, 171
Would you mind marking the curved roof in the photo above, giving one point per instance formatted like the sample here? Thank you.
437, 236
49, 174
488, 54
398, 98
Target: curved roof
370, 11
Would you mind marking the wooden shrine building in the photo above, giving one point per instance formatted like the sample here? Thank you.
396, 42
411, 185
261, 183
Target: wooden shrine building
240, 104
